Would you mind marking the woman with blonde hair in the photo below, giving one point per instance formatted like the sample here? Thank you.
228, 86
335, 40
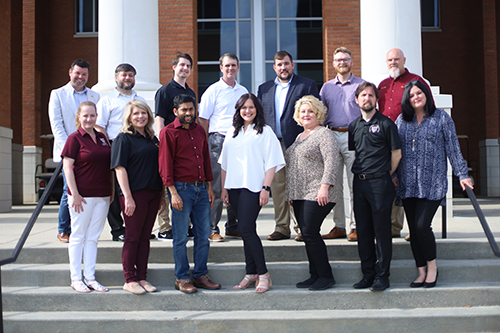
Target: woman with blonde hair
134, 157
86, 159
312, 163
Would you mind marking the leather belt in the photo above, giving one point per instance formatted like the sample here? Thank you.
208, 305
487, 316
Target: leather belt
196, 183
338, 129
364, 176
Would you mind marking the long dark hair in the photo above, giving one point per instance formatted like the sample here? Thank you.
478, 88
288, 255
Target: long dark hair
259, 121
406, 108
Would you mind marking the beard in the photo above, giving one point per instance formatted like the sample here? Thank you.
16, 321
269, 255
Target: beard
343, 70
122, 85
367, 107
285, 76
394, 73
183, 120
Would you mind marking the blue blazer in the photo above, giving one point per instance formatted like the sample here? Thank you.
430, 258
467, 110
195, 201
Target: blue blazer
299, 87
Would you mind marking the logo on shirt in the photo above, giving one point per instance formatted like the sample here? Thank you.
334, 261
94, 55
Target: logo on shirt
375, 128
103, 141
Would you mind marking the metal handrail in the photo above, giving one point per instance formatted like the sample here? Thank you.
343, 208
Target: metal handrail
484, 224
26, 232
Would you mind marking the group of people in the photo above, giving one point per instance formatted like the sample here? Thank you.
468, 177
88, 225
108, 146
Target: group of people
289, 140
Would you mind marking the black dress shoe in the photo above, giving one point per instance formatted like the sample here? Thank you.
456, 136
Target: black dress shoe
431, 284
119, 238
380, 285
364, 283
307, 283
322, 284
416, 284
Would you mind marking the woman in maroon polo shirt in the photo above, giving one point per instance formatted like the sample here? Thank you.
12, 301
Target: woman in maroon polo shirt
134, 157
86, 161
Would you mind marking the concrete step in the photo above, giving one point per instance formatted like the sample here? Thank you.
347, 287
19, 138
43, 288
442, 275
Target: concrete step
275, 251
467, 319
277, 298
229, 274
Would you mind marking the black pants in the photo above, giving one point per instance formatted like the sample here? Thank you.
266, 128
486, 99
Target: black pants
310, 216
115, 219
246, 207
372, 209
419, 213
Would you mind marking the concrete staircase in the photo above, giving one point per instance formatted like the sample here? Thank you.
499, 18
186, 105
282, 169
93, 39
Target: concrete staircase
37, 296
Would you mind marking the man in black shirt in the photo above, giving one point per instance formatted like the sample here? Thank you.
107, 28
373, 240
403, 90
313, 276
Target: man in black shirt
375, 140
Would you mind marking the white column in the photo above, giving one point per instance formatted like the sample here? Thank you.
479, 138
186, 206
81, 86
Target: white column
386, 24
32, 156
6, 135
128, 33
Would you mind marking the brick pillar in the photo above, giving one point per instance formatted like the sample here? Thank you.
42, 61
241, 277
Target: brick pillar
178, 32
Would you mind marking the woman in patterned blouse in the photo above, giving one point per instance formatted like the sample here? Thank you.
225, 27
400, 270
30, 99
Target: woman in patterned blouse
312, 163
428, 137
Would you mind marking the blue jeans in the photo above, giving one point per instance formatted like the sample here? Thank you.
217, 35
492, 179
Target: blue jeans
64, 221
195, 200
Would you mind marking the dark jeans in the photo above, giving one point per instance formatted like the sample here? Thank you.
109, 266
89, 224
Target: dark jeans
310, 217
246, 206
372, 210
64, 218
215, 142
419, 214
135, 252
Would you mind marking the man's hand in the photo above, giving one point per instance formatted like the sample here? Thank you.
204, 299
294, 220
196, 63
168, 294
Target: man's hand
176, 201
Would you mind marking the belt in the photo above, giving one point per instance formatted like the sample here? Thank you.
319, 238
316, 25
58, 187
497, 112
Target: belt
364, 176
338, 129
196, 183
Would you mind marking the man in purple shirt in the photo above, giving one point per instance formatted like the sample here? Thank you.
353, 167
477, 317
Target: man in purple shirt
339, 96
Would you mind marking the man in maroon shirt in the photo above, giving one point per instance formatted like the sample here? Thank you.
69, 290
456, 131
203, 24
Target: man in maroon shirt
389, 103
185, 168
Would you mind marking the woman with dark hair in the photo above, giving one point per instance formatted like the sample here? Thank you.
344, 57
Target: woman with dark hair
312, 164
428, 138
250, 157
134, 157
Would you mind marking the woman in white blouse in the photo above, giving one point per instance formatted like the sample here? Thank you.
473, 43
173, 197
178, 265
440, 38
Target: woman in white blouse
250, 157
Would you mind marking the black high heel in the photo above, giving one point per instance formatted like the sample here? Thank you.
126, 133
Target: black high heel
417, 284
431, 284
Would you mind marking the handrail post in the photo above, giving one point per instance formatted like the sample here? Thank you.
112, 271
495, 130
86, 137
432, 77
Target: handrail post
1, 302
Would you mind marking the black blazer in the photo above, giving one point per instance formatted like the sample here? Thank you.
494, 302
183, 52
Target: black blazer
299, 87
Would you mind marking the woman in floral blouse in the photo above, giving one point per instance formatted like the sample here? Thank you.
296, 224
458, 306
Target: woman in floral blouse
312, 163
428, 137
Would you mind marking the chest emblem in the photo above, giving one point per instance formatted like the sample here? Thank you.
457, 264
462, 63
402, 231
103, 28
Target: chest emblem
375, 128
103, 141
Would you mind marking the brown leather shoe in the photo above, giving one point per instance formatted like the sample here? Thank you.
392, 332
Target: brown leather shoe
233, 234
335, 233
185, 286
62, 237
353, 236
277, 236
407, 238
204, 282
299, 238
215, 237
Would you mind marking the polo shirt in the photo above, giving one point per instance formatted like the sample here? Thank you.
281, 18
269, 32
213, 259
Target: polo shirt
184, 154
139, 156
218, 105
391, 93
373, 142
110, 111
340, 99
164, 99
92, 160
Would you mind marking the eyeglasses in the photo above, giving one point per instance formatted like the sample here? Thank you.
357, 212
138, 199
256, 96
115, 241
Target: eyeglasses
338, 61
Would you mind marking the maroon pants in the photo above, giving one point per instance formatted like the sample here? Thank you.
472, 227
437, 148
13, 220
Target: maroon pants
138, 227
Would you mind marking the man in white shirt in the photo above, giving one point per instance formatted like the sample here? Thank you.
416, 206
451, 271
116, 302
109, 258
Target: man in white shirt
109, 121
217, 109
63, 104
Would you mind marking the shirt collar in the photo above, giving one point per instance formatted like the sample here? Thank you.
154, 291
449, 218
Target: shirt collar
406, 73
83, 132
117, 94
278, 83
84, 91
337, 81
176, 84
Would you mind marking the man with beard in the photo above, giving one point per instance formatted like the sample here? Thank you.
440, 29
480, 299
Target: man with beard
109, 121
375, 140
185, 168
164, 109
278, 99
391, 93
216, 116
63, 104
338, 96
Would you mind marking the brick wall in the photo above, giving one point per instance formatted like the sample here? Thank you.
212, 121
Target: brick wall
5, 55
16, 62
178, 33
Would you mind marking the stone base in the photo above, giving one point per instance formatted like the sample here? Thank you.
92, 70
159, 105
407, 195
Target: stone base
489, 155
5, 169
32, 156
17, 174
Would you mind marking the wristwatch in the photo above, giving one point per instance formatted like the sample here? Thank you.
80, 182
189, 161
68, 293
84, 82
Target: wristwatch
267, 188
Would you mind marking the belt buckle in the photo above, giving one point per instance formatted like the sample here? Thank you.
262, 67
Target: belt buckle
198, 183
362, 176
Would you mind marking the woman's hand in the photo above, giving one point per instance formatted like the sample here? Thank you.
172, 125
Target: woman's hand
224, 196
129, 206
264, 197
77, 203
466, 182
322, 196
395, 182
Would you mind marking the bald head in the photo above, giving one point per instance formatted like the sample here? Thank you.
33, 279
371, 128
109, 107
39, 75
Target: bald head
395, 60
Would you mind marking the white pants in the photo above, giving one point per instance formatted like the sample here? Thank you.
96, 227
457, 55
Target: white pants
86, 228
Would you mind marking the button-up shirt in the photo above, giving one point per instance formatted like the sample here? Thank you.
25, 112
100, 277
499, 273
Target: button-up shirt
340, 100
184, 154
80, 96
279, 102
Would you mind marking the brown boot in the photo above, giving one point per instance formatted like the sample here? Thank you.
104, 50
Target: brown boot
353, 236
335, 233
